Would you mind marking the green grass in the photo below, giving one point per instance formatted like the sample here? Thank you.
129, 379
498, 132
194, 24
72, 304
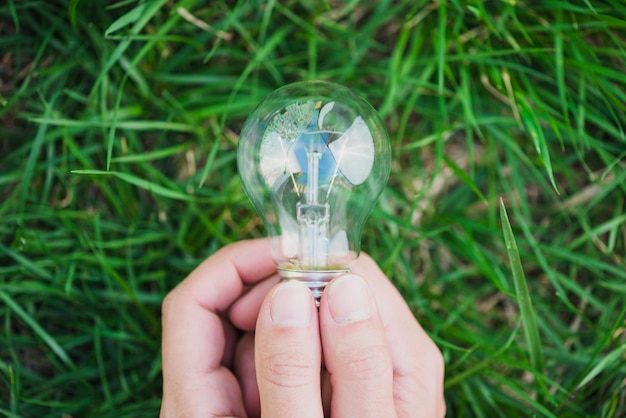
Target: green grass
118, 131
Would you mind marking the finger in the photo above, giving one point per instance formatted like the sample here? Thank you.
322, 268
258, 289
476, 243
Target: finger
193, 341
288, 353
231, 337
417, 362
245, 371
355, 350
221, 278
245, 311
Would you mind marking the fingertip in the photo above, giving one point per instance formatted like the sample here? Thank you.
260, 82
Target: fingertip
348, 299
291, 305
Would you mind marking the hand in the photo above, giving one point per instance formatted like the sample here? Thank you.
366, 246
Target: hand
379, 361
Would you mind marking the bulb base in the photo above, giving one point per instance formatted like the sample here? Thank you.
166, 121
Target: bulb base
316, 280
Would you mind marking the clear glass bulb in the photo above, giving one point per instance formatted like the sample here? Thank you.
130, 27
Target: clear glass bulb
313, 158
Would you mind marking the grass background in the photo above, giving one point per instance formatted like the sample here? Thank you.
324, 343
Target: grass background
119, 123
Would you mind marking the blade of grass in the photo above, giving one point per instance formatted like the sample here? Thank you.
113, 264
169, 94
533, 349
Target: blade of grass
138, 125
460, 377
607, 362
531, 122
139, 182
155, 6
38, 329
126, 19
529, 318
464, 178
151, 155
97, 336
24, 261
34, 153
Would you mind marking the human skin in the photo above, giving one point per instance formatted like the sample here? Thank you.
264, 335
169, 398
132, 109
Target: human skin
237, 343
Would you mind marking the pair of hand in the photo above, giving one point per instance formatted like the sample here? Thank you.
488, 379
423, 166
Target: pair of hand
237, 343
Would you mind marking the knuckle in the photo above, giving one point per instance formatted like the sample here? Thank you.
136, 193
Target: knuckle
287, 369
437, 363
166, 305
175, 299
425, 377
368, 363
439, 372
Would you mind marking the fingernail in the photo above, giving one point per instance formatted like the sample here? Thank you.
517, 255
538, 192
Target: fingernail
349, 300
290, 304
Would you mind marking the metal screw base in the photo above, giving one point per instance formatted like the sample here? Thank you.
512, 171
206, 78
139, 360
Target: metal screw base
316, 280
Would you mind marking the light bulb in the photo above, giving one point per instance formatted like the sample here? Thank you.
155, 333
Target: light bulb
313, 158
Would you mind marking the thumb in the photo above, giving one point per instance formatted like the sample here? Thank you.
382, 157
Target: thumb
355, 350
288, 353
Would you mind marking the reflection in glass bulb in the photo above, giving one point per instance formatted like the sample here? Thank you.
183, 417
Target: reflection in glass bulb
313, 158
